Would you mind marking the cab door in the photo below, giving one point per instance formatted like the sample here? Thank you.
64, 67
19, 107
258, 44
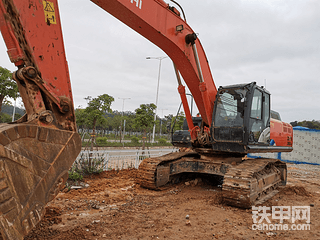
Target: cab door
259, 120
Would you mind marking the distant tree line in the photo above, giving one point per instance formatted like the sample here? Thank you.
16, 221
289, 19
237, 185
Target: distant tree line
108, 121
98, 118
112, 121
7, 111
309, 124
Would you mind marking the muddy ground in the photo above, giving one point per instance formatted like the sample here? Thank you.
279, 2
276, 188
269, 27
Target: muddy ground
114, 207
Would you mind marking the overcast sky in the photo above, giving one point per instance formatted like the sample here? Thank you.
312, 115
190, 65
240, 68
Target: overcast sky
272, 41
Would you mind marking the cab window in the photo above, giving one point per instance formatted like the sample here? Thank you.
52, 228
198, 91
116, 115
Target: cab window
266, 109
256, 107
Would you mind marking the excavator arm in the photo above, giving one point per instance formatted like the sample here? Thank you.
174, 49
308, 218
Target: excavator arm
33, 35
37, 150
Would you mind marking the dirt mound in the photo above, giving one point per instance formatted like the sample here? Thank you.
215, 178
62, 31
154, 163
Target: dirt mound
296, 190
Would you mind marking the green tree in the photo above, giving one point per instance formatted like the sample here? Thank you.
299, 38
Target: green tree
95, 111
5, 118
83, 123
17, 116
129, 122
169, 122
145, 118
81, 118
309, 124
8, 87
116, 122
103, 125
178, 121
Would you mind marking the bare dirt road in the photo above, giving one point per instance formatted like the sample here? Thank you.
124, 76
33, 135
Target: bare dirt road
114, 207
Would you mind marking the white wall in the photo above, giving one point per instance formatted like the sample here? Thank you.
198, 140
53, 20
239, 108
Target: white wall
306, 147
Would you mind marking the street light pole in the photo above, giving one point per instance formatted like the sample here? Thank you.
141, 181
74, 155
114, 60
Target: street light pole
121, 118
155, 113
161, 120
14, 109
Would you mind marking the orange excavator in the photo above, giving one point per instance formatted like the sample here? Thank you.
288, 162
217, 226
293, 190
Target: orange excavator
37, 150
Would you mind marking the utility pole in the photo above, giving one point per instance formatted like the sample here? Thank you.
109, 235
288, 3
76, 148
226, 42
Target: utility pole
161, 120
155, 112
122, 135
14, 109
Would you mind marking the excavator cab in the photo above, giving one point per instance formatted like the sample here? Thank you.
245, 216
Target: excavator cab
241, 120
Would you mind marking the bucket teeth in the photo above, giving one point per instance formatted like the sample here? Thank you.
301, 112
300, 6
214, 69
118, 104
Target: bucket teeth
34, 164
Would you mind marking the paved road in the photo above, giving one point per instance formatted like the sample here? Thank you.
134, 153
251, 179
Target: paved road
133, 151
123, 158
125, 140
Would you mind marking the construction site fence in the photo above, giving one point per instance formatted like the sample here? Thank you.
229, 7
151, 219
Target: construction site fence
117, 159
306, 148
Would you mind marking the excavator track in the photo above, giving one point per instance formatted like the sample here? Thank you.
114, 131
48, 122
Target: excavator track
150, 167
247, 183
34, 163
253, 182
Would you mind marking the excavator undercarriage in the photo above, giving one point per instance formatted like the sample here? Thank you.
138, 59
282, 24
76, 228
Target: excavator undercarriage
246, 181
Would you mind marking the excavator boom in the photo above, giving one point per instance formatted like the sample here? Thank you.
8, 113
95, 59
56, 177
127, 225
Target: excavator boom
163, 26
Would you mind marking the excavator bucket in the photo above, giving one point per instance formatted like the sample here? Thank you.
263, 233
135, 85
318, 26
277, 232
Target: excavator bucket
34, 163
